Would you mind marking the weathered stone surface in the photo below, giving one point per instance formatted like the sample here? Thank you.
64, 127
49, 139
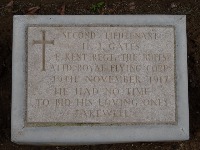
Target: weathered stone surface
101, 74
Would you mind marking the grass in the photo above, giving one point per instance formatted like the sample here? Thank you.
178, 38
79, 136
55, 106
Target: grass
97, 6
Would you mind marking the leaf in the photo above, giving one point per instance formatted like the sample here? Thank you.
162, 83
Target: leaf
93, 8
61, 10
100, 4
10, 4
33, 10
132, 6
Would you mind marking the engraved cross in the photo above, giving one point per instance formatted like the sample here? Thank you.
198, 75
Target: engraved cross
43, 42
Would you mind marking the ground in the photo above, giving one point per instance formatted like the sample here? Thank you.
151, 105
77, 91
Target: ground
191, 8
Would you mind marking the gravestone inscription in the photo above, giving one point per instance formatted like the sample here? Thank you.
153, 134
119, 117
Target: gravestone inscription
101, 74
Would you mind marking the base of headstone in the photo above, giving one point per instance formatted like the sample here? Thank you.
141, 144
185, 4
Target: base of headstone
54, 133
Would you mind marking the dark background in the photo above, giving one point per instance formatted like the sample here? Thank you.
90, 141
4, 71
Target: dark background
191, 8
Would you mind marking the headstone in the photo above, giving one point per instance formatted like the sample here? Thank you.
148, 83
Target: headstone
99, 79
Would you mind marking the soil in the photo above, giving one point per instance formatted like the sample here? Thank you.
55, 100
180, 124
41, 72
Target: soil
191, 8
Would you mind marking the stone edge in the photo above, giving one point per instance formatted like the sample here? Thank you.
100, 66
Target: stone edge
70, 135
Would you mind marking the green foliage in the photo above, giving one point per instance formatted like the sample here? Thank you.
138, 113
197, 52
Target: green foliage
97, 6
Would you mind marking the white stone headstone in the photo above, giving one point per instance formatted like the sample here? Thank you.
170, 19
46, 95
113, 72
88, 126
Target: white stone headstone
99, 79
